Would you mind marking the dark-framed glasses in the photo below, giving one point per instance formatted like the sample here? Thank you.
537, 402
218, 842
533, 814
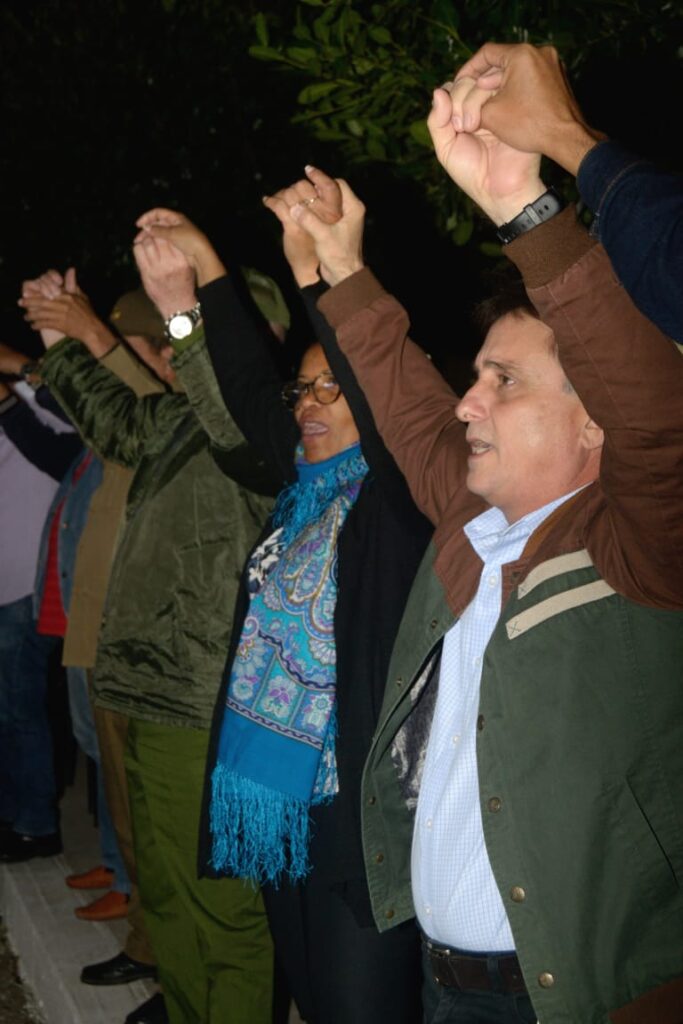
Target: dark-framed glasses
325, 389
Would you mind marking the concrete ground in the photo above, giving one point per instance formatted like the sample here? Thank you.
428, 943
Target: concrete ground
51, 944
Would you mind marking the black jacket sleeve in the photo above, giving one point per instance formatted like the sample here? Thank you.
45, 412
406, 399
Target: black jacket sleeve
238, 344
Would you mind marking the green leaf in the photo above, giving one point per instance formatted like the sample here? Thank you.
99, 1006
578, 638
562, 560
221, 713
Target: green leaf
301, 54
321, 28
418, 130
261, 29
302, 32
314, 92
491, 249
314, 3
380, 35
463, 232
361, 65
355, 127
265, 53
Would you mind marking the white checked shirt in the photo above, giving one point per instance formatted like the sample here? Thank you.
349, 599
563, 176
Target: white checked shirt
455, 894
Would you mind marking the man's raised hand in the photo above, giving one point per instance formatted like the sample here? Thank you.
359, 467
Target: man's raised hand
166, 273
499, 178
527, 102
177, 229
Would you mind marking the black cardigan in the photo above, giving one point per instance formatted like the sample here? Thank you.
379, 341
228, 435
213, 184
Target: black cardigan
379, 549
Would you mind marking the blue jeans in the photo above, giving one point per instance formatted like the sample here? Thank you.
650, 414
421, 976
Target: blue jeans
27, 777
83, 725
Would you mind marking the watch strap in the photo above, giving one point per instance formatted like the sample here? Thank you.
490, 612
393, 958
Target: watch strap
538, 212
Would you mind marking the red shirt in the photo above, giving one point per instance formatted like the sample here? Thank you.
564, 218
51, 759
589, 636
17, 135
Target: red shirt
52, 617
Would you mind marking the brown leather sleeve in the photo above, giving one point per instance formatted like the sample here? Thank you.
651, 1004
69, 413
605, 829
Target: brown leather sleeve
630, 379
413, 406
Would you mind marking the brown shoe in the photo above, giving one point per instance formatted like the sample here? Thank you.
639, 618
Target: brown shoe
97, 878
107, 908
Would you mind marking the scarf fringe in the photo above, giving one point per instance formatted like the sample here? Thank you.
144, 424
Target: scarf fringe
258, 833
306, 500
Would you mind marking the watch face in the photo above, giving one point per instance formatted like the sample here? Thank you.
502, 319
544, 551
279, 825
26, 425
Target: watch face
179, 326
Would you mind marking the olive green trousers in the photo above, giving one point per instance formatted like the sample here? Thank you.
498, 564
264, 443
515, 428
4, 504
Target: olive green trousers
210, 936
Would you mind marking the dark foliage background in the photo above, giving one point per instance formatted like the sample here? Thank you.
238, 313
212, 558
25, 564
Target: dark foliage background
112, 107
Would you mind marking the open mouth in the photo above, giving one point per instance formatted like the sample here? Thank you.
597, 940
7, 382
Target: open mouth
312, 428
478, 447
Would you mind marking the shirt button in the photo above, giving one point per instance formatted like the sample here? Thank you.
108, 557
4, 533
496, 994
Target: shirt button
546, 980
477, 661
495, 804
399, 681
517, 894
389, 914
372, 800
456, 740
428, 822
428, 909
492, 580
433, 624
480, 723
379, 857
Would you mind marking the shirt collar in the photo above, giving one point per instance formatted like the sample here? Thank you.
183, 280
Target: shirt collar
490, 530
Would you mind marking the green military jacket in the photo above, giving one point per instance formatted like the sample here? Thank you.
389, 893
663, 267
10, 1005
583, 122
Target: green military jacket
580, 760
579, 750
197, 503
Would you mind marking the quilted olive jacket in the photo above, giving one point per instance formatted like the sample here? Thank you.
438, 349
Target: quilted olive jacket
197, 502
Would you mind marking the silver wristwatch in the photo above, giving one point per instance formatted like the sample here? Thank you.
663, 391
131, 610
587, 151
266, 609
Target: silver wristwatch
182, 324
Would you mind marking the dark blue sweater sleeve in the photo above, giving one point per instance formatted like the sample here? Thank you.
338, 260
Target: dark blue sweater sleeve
639, 220
48, 451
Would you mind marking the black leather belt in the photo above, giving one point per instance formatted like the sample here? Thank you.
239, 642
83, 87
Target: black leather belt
482, 973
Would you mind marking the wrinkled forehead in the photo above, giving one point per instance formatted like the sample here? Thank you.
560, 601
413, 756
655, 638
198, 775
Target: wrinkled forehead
519, 340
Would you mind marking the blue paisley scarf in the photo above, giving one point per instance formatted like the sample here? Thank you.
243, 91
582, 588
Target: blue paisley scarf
276, 748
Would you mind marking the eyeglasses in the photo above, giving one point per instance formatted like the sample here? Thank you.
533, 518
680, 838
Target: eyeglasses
325, 389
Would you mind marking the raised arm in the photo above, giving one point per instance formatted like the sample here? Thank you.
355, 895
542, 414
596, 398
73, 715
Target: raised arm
521, 94
108, 414
412, 405
629, 377
237, 340
169, 281
639, 220
238, 343
48, 451
299, 248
